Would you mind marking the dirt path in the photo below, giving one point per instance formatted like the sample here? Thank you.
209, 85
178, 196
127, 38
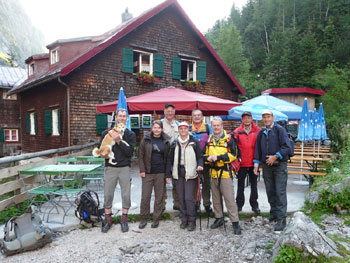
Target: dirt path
168, 243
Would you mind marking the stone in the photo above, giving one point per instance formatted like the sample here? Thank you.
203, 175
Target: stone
303, 234
313, 197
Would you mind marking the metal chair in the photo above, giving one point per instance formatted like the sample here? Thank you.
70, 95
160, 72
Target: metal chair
96, 177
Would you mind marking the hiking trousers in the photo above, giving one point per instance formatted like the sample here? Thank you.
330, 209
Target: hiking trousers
275, 179
253, 179
113, 175
228, 193
185, 190
150, 182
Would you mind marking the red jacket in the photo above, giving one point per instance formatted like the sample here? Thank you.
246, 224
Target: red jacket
246, 143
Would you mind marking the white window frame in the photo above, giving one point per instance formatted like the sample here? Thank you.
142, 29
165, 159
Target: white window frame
143, 53
31, 69
54, 56
194, 72
55, 131
32, 123
10, 135
11, 97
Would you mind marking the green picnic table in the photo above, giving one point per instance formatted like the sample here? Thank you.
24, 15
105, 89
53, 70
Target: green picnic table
54, 169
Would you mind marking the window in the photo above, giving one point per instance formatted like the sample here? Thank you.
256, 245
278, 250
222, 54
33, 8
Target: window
32, 117
54, 56
184, 69
11, 135
55, 121
188, 70
11, 97
31, 68
142, 62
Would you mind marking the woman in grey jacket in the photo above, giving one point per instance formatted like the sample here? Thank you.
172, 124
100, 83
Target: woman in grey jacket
185, 159
153, 154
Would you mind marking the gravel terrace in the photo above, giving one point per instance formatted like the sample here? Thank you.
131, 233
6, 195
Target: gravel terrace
167, 243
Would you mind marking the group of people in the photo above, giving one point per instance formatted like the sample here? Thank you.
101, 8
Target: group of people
188, 155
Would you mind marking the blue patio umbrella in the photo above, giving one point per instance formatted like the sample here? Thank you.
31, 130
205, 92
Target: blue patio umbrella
123, 105
303, 134
322, 123
292, 110
316, 134
256, 111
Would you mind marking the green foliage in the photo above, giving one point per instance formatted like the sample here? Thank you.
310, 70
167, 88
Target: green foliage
18, 38
289, 255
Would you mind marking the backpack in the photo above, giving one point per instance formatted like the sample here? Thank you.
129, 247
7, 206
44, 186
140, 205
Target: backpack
291, 142
24, 233
236, 164
88, 208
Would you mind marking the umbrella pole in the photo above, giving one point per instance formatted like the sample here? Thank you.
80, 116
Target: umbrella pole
301, 161
318, 151
314, 145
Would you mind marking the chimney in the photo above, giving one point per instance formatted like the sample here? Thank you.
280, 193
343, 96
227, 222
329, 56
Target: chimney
126, 15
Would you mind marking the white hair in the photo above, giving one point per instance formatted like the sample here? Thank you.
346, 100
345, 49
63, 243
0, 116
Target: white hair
217, 118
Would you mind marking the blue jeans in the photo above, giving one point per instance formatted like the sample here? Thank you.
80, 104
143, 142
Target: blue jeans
275, 179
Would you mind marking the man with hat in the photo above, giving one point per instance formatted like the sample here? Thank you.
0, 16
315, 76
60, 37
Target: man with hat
170, 128
246, 135
272, 151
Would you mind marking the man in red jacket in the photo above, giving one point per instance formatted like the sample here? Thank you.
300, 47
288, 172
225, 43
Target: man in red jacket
246, 136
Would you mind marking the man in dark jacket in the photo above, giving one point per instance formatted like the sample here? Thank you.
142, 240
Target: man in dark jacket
120, 172
246, 135
272, 151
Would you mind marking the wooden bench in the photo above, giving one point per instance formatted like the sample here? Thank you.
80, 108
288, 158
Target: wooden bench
313, 174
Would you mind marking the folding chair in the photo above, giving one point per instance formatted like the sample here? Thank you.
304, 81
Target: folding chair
42, 194
96, 176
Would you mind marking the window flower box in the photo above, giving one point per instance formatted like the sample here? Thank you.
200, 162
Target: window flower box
145, 78
191, 85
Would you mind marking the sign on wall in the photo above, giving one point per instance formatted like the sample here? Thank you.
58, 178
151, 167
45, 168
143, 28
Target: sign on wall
135, 121
146, 120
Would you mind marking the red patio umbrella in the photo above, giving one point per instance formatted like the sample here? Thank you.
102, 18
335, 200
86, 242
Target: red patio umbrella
184, 101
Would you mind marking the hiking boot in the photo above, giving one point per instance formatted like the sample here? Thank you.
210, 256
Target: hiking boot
142, 224
106, 225
217, 223
183, 224
191, 226
272, 218
175, 207
124, 223
155, 225
280, 225
256, 210
236, 228
208, 209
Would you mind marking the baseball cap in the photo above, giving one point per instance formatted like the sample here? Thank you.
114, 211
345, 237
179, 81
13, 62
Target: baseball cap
248, 113
169, 105
267, 112
183, 123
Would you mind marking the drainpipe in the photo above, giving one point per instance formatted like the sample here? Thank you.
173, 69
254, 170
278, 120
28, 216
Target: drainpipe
68, 107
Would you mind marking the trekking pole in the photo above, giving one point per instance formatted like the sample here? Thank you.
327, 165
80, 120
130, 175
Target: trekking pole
221, 201
198, 201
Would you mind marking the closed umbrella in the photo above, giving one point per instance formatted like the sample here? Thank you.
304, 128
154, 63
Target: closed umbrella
322, 124
303, 134
123, 105
256, 111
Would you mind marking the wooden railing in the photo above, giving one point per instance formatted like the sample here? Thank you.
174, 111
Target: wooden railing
14, 186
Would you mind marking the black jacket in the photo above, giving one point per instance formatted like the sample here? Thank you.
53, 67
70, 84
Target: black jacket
122, 152
145, 151
271, 142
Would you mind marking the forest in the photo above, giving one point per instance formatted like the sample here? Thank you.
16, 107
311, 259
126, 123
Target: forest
291, 43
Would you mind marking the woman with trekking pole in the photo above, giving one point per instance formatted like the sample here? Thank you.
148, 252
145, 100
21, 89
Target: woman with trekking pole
185, 159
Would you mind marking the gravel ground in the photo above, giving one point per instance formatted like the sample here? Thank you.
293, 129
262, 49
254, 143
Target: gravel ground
167, 243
